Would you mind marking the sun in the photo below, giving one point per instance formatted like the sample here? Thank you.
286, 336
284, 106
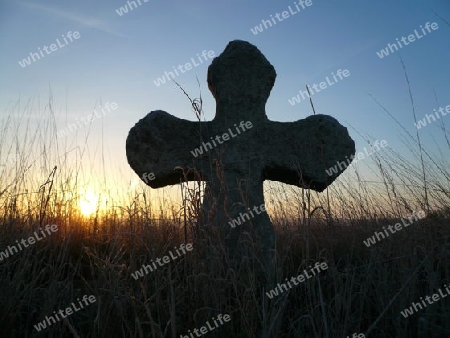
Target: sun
88, 203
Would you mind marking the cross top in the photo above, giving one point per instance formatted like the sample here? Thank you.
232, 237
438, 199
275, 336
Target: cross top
241, 73
240, 147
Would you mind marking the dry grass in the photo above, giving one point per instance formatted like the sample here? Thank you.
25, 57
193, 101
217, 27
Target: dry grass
364, 289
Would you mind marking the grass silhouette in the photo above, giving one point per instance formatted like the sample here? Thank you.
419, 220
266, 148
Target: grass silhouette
363, 289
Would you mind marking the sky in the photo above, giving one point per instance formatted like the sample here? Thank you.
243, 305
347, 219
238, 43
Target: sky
118, 58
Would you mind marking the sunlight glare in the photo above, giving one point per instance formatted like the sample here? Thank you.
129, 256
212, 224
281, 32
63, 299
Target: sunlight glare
88, 203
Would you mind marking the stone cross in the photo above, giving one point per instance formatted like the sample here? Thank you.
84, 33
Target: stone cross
239, 148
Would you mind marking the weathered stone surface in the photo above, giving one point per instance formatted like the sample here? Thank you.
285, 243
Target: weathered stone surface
160, 142
296, 153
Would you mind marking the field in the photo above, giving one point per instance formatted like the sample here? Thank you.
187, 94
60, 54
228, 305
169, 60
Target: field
363, 290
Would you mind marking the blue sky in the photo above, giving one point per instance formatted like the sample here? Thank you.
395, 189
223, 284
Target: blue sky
117, 58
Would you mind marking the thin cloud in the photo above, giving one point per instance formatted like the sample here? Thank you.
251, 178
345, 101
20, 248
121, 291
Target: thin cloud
82, 20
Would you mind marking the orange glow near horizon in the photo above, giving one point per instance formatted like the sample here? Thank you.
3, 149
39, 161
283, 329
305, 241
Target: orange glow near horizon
88, 203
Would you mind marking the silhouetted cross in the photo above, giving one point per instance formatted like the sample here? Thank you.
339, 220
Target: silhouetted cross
296, 153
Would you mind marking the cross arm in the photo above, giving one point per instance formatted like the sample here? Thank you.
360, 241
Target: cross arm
301, 153
159, 143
